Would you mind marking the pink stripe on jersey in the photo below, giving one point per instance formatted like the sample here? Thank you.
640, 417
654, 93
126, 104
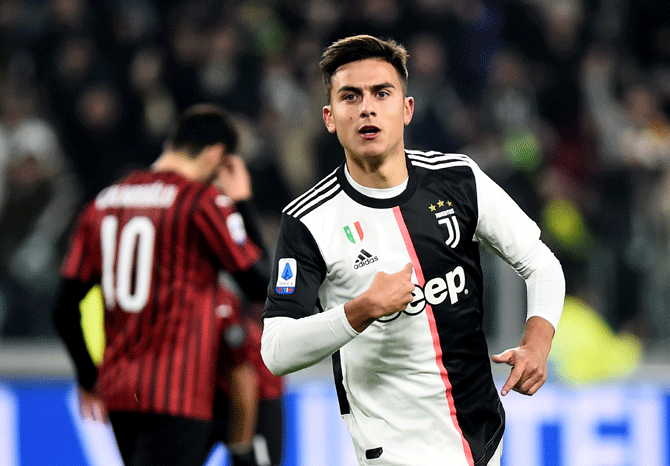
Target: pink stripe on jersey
433, 331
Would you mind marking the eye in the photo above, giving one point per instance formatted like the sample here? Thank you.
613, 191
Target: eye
383, 94
349, 97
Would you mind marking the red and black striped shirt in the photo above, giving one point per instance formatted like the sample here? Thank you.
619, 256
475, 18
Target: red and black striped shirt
155, 242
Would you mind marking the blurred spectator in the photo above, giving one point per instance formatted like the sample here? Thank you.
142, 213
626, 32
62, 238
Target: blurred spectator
565, 103
156, 103
39, 198
633, 139
229, 70
432, 126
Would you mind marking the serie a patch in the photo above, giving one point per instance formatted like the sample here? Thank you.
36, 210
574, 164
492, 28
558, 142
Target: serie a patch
287, 270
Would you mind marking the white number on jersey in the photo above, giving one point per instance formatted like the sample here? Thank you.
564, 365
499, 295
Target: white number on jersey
133, 250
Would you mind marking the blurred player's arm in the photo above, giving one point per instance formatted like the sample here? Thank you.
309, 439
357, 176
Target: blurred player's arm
67, 318
234, 181
244, 396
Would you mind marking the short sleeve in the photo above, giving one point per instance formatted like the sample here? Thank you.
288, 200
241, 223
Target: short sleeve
82, 261
298, 270
223, 229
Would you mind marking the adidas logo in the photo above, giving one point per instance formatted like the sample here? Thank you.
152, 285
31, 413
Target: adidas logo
364, 258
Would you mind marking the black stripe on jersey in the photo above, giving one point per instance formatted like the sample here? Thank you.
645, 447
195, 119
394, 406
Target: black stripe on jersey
182, 301
342, 399
341, 393
433, 155
459, 323
176, 223
298, 200
186, 349
85, 253
181, 305
436, 160
157, 266
315, 197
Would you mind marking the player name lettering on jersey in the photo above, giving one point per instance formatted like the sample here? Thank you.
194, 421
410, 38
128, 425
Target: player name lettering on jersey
155, 194
436, 290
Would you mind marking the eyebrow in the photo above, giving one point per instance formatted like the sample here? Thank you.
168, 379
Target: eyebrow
358, 90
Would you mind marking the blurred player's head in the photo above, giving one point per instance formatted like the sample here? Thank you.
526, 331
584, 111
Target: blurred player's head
361, 47
205, 133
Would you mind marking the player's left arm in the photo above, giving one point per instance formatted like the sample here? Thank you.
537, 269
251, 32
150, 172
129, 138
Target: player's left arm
234, 181
225, 231
506, 230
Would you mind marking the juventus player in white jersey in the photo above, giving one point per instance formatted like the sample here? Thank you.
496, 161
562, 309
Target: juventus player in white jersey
378, 266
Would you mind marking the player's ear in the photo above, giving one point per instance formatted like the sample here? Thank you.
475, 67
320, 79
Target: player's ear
409, 110
328, 118
211, 157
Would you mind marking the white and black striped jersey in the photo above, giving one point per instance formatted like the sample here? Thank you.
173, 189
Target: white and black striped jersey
415, 388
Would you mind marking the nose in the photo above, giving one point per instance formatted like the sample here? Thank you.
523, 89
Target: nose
367, 105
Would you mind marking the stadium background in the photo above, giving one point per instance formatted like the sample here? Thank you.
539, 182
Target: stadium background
566, 103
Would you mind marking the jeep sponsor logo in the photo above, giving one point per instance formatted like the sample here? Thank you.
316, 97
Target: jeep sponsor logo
436, 291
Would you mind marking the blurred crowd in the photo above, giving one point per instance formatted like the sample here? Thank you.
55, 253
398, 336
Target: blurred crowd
565, 103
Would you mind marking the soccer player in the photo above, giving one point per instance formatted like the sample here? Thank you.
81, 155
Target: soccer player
386, 249
155, 242
266, 388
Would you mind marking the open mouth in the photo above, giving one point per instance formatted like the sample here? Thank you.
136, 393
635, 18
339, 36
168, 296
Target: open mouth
369, 131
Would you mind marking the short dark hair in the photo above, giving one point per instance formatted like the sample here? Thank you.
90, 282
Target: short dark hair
361, 47
204, 125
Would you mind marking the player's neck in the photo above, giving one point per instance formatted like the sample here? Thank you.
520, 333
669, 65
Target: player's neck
378, 172
174, 162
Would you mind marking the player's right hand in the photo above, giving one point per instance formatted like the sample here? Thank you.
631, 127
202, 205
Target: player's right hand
391, 293
388, 294
91, 406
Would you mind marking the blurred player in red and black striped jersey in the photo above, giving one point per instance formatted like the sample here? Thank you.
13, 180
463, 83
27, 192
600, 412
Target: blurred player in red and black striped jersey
155, 242
241, 343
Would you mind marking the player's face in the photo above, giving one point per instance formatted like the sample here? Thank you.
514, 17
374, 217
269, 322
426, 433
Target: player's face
368, 109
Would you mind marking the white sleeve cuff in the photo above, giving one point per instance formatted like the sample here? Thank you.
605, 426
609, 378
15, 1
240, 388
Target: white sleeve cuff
288, 344
545, 284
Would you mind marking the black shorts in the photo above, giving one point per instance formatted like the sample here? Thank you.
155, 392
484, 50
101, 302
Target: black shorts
270, 424
146, 439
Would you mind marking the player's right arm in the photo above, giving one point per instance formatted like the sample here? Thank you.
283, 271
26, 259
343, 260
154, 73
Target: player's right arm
294, 336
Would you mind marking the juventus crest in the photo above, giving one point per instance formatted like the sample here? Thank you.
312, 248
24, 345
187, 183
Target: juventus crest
447, 217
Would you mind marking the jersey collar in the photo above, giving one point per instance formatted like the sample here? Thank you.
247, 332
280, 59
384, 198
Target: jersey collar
378, 202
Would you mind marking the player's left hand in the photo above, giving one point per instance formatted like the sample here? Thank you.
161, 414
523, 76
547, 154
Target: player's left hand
529, 359
529, 370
